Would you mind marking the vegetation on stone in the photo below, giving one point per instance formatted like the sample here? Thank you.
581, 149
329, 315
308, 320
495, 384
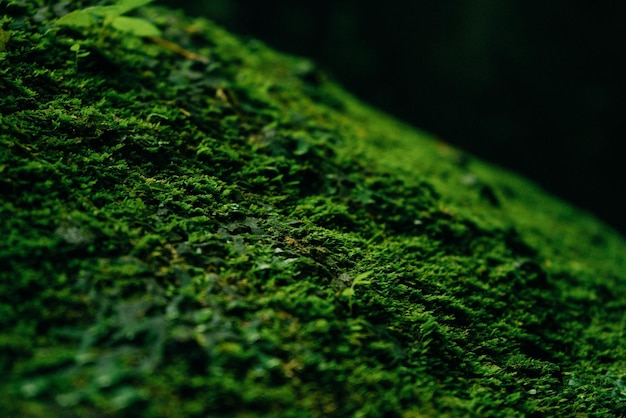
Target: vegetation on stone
194, 225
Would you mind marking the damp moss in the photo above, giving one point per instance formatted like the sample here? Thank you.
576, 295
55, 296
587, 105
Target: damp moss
196, 225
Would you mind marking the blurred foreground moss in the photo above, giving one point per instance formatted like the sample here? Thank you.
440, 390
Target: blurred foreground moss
194, 225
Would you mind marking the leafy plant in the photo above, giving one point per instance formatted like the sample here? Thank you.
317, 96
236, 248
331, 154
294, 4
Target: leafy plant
112, 16
78, 54
350, 291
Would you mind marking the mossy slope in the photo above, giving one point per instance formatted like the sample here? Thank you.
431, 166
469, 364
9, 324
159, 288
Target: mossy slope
210, 228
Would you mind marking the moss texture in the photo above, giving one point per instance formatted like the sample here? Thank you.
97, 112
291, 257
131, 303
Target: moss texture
205, 227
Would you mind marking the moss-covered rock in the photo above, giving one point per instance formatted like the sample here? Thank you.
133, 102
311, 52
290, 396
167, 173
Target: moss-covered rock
194, 225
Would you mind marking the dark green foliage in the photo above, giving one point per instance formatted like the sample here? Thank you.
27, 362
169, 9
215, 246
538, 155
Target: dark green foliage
213, 229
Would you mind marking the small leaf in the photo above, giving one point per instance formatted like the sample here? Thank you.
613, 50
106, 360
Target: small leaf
126, 6
136, 26
348, 292
360, 279
106, 11
77, 18
88, 16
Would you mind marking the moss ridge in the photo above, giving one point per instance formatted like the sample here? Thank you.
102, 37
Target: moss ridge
210, 228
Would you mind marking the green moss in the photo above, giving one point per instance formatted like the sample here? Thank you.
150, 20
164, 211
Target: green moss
206, 227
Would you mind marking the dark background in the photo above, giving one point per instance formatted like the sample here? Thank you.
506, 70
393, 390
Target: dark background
535, 86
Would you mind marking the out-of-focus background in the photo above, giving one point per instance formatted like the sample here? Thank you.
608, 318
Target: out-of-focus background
535, 86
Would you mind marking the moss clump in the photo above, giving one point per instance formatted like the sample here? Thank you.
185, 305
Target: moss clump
204, 227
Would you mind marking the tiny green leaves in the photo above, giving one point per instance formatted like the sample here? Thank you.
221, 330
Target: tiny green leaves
136, 26
125, 6
79, 18
350, 291
358, 280
112, 16
78, 54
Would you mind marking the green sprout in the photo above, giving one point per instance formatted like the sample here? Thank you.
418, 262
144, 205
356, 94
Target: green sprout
112, 16
77, 54
350, 291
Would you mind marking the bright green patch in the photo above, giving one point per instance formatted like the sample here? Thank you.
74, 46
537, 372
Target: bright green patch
112, 16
